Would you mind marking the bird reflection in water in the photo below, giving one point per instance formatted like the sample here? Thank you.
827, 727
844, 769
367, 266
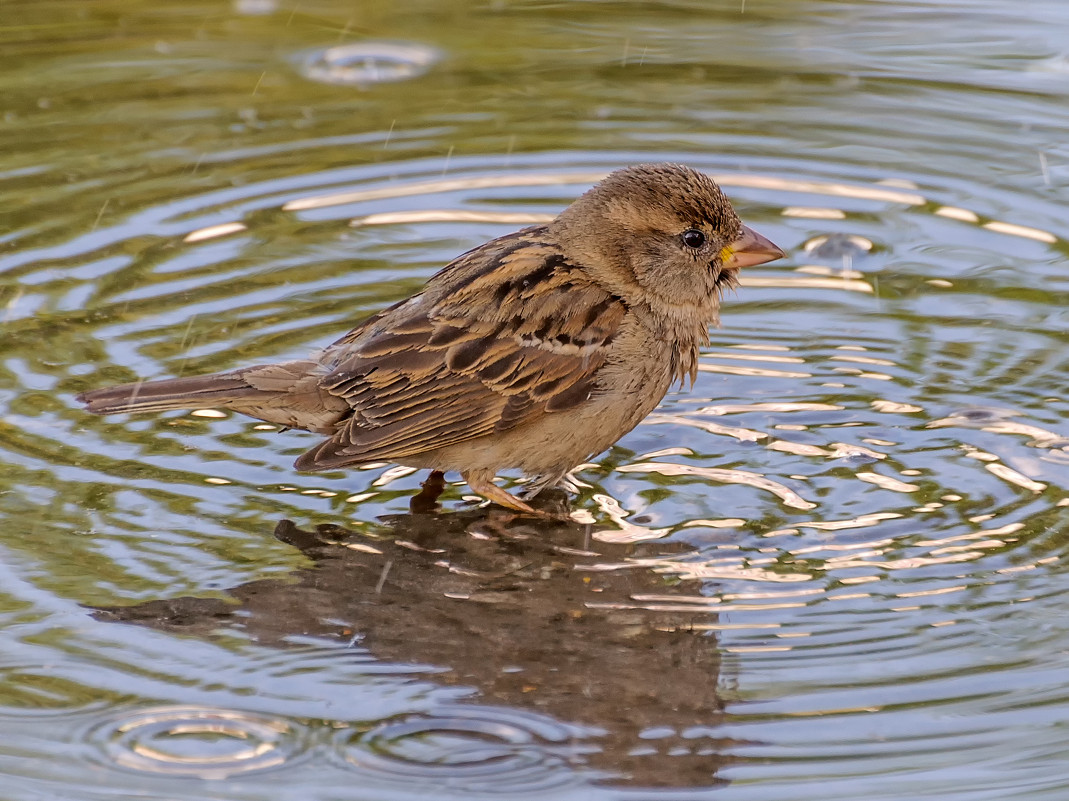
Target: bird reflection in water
511, 606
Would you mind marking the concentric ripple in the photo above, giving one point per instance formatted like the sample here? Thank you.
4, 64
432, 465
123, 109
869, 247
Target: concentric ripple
855, 438
470, 749
198, 742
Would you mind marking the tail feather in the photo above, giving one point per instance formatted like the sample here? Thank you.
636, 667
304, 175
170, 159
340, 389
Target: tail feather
219, 389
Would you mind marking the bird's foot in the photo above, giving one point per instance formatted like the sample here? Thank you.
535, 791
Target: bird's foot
565, 482
483, 485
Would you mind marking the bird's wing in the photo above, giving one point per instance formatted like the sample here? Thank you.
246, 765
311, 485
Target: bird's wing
507, 333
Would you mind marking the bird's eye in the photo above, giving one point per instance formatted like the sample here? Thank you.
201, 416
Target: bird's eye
693, 238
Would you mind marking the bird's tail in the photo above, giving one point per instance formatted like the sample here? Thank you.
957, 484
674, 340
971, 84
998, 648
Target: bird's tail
208, 391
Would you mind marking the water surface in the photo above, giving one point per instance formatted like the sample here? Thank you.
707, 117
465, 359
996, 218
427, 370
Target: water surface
831, 569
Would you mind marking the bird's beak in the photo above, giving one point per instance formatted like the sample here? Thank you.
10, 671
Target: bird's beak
750, 249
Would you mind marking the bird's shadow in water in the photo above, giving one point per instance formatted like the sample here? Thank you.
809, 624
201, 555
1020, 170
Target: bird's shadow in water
512, 605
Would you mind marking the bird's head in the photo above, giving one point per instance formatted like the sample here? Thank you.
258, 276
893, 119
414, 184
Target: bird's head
661, 234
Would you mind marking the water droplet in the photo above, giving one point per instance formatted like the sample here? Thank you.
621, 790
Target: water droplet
836, 246
364, 63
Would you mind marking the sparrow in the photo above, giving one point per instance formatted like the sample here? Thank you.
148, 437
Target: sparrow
534, 351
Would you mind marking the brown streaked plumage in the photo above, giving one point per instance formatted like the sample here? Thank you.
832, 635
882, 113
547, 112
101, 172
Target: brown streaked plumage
534, 351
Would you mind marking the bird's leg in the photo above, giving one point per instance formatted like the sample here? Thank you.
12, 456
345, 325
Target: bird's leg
426, 500
435, 482
482, 484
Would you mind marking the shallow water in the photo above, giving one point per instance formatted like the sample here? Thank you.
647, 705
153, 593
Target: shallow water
832, 569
